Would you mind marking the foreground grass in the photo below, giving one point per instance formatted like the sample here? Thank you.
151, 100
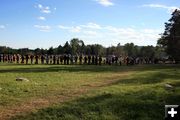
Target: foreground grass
90, 92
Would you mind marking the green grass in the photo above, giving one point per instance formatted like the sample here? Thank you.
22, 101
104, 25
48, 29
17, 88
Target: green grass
88, 92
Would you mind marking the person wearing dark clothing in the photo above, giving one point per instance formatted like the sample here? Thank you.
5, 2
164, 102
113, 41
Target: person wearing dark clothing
72, 59
14, 58
47, 59
22, 59
116, 60
127, 61
27, 58
107, 60
42, 59
68, 58
96, 60
57, 59
31, 57
76, 58
8, 58
93, 59
80, 59
61, 59
36, 59
65, 59
85, 59
51, 57
113, 59
17, 58
89, 59
3, 58
155, 61
100, 60
0, 58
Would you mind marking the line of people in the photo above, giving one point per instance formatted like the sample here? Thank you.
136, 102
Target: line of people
51, 59
67, 59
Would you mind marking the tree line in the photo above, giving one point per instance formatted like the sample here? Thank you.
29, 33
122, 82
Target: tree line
78, 47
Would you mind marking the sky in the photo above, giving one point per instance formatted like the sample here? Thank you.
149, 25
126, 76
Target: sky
45, 23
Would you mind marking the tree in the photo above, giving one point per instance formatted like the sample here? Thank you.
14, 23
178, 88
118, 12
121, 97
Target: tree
88, 50
170, 39
3, 49
50, 51
131, 49
76, 44
81, 49
97, 49
59, 49
147, 51
67, 48
119, 50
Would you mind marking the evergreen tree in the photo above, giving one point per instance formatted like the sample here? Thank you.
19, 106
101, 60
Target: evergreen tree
170, 39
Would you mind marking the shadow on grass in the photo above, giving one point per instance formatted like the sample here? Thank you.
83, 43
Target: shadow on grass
133, 106
79, 68
150, 78
55, 68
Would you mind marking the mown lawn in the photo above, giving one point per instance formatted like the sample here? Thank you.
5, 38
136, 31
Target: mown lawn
87, 92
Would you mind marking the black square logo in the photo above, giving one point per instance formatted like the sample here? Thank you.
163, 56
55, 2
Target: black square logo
172, 112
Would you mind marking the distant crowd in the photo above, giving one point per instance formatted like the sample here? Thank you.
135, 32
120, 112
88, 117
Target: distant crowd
67, 59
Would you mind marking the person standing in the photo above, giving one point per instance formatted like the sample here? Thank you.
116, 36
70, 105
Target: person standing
127, 60
8, 58
54, 59
116, 59
100, 60
72, 59
93, 59
75, 59
0, 57
51, 57
14, 58
96, 60
36, 59
65, 59
22, 59
120, 61
47, 59
68, 58
80, 59
42, 59
85, 59
61, 59
27, 58
17, 58
57, 59
89, 59
31, 57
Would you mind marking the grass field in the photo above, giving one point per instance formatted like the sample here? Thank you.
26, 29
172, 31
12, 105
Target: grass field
87, 92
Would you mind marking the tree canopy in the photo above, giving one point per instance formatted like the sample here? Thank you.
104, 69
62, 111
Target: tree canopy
170, 39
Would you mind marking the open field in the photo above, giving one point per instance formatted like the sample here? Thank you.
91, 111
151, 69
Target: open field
87, 92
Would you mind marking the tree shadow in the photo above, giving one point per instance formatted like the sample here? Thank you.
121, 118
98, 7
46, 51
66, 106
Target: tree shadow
68, 68
149, 78
79, 68
135, 105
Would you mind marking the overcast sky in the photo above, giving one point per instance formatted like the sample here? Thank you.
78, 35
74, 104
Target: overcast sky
46, 23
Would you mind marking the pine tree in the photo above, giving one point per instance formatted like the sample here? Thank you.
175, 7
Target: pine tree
170, 39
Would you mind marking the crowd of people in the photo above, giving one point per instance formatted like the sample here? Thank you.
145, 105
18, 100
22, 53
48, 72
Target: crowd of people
67, 59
